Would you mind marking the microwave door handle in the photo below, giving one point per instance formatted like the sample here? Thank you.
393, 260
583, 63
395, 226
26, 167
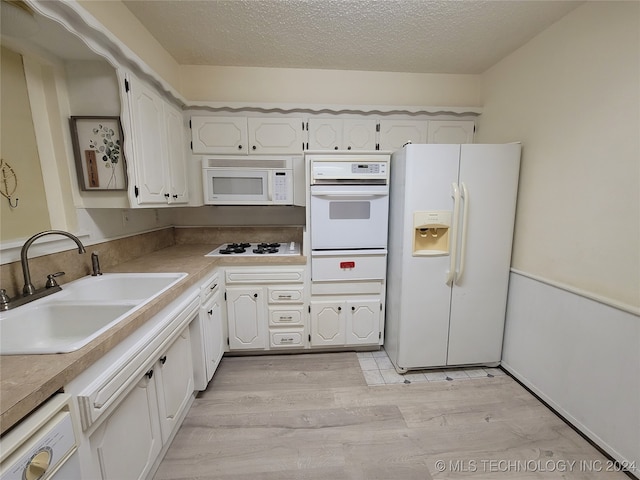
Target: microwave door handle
270, 186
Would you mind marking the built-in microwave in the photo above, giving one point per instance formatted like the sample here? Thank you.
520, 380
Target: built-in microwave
264, 180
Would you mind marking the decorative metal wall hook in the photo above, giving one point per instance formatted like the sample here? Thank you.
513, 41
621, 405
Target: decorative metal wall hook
9, 182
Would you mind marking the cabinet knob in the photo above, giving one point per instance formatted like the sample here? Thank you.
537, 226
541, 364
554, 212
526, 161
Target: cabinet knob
166, 195
255, 295
210, 312
163, 359
335, 148
339, 309
254, 147
239, 147
149, 374
349, 147
353, 308
174, 196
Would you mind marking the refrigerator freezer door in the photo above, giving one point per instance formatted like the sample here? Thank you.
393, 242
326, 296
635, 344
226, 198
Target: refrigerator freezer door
418, 297
490, 176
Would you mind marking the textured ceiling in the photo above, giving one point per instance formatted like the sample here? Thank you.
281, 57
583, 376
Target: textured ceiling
423, 36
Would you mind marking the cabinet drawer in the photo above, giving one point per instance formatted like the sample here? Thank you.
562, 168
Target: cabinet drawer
279, 316
292, 338
347, 288
344, 267
285, 295
293, 275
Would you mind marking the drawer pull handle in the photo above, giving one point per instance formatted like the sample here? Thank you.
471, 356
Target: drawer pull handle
214, 286
284, 296
163, 359
149, 374
210, 312
286, 319
347, 265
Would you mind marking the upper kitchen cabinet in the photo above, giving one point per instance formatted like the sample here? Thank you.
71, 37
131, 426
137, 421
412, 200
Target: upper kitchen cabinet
246, 135
156, 148
451, 131
396, 133
341, 134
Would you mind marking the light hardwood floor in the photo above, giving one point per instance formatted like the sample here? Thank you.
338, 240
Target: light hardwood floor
313, 417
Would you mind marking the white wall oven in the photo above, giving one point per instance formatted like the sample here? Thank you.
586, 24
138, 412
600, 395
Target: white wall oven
349, 202
249, 181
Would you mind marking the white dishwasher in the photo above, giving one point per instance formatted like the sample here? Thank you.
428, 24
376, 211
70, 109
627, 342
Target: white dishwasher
42, 446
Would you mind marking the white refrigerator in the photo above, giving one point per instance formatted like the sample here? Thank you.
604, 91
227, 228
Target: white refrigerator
451, 218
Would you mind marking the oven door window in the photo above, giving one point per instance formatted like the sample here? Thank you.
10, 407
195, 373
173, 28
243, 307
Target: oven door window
339, 210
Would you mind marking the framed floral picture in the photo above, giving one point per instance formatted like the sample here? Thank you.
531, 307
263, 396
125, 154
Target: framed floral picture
97, 147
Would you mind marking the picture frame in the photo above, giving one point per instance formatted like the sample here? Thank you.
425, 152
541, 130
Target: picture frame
99, 156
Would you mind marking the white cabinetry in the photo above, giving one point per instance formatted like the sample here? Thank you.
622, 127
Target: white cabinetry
208, 333
175, 383
265, 308
395, 133
246, 135
126, 445
128, 442
132, 401
157, 146
336, 321
342, 134
246, 314
451, 131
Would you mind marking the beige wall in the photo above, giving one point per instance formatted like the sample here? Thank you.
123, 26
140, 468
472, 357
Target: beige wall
119, 20
20, 152
328, 87
572, 96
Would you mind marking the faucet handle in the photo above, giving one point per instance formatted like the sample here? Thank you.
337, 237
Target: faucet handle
4, 299
51, 279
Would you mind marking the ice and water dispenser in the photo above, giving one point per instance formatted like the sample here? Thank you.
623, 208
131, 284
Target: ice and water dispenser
431, 233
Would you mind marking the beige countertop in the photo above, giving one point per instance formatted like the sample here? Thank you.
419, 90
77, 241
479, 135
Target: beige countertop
26, 381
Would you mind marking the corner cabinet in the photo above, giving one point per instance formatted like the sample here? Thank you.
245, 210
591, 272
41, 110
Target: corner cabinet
155, 146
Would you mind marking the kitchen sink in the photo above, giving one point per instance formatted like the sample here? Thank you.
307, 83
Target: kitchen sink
68, 320
120, 286
54, 327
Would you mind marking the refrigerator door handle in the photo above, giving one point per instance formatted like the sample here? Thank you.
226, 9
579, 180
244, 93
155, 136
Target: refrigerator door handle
464, 195
453, 248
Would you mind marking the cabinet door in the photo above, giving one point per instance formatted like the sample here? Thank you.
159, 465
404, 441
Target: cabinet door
451, 131
395, 133
178, 189
363, 322
246, 314
327, 323
275, 135
213, 335
325, 133
359, 134
175, 383
219, 135
126, 445
149, 147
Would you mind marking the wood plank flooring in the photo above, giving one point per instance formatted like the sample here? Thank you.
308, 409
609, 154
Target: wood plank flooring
313, 417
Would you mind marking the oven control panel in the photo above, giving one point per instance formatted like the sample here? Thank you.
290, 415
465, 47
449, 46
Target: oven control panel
338, 169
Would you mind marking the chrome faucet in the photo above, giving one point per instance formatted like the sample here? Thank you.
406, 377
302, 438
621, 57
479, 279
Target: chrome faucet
28, 288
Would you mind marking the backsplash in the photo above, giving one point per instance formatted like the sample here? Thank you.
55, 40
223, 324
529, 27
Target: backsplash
114, 252
77, 265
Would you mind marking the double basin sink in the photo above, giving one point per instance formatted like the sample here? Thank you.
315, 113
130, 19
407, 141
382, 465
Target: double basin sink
85, 308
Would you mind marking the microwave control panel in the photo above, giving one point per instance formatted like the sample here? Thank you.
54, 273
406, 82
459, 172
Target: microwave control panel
369, 168
281, 186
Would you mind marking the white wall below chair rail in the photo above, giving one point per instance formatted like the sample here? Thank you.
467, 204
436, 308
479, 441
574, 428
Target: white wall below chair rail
580, 356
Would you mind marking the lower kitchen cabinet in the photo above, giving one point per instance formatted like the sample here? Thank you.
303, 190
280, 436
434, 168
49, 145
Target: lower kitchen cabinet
246, 314
175, 383
267, 312
126, 445
345, 322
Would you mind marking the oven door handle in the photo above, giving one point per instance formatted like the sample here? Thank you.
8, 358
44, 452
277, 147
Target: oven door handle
348, 194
